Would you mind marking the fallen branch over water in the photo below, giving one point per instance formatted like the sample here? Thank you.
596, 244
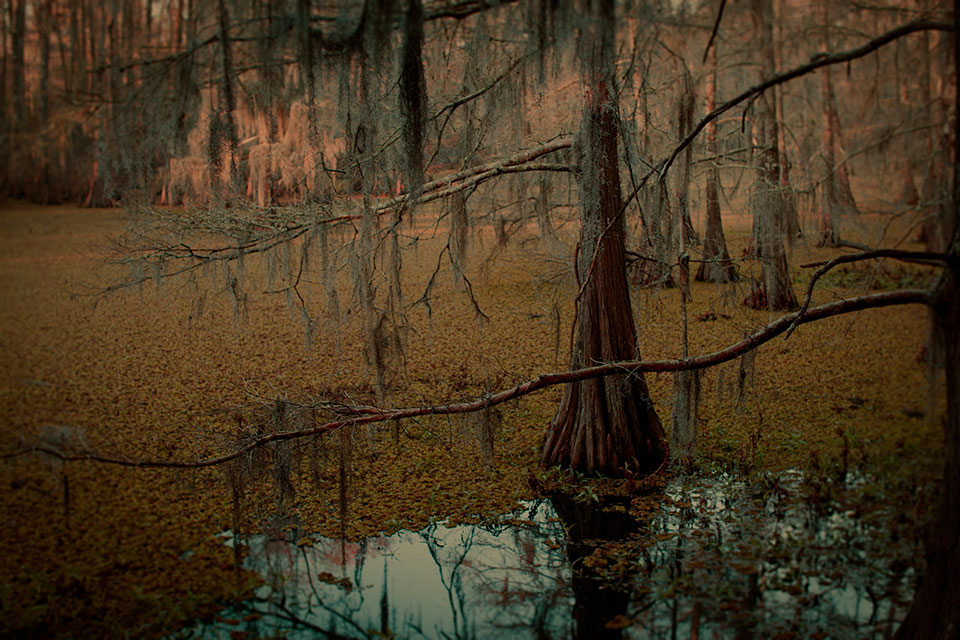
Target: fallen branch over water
371, 415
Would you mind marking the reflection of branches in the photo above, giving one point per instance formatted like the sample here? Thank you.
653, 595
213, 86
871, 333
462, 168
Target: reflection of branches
282, 612
279, 609
375, 415
455, 586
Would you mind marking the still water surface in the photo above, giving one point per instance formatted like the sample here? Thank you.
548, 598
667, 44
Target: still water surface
718, 557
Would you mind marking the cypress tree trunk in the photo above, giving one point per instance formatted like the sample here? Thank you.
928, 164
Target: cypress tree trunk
769, 203
791, 216
717, 266
828, 197
606, 423
836, 199
934, 612
18, 13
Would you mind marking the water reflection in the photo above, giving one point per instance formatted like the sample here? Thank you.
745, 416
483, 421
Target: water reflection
715, 557
599, 607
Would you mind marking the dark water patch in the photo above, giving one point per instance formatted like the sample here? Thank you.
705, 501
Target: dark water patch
707, 557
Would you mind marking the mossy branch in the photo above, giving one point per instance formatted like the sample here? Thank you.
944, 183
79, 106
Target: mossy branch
371, 415
921, 257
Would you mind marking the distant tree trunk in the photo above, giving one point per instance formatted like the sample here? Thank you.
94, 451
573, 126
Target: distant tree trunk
413, 95
717, 266
768, 201
147, 20
909, 196
223, 128
18, 13
828, 197
836, 199
685, 105
653, 269
935, 189
845, 200
4, 115
603, 424
791, 216
44, 22
77, 69
89, 35
176, 25
59, 31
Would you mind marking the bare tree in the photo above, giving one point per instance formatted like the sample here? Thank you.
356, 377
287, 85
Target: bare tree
603, 424
836, 199
768, 200
716, 265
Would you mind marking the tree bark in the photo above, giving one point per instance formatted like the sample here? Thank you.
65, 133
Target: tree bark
792, 217
18, 12
936, 180
44, 21
934, 612
717, 266
768, 201
223, 133
608, 424
685, 106
836, 197
828, 195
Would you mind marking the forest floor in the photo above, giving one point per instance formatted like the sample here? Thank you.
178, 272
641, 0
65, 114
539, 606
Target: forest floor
174, 371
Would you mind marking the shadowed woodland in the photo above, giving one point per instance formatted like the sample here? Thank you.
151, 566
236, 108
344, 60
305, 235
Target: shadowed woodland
282, 277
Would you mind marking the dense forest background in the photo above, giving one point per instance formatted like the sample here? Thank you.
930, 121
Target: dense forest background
120, 102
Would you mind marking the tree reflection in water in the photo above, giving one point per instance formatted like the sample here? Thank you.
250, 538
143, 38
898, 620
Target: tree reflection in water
598, 606
713, 557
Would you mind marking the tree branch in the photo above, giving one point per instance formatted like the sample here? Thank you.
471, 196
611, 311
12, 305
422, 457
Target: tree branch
922, 257
373, 415
817, 61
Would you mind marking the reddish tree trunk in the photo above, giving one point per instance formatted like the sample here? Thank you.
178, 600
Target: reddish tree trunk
769, 203
828, 196
717, 266
791, 216
836, 198
18, 14
604, 424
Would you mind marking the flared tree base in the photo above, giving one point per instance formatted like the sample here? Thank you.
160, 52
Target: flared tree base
606, 426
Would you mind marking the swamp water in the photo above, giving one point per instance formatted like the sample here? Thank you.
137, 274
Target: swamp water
718, 557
